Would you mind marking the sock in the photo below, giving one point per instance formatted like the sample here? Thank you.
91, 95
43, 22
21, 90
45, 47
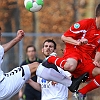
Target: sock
57, 61
52, 75
95, 83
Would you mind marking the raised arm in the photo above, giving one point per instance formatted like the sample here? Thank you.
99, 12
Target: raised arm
9, 45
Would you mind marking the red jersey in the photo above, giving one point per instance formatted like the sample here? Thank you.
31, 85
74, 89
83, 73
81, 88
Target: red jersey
85, 29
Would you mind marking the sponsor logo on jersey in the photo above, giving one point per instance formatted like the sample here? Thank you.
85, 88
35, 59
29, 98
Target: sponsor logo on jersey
45, 83
43, 80
76, 25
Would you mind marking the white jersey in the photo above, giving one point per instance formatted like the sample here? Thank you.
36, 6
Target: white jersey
1, 60
13, 81
53, 92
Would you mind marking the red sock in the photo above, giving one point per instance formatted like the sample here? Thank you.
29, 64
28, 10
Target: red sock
95, 83
57, 61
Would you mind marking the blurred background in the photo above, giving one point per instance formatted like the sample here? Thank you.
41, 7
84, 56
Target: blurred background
51, 22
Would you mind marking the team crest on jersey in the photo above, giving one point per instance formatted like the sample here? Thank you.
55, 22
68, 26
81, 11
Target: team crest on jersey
76, 25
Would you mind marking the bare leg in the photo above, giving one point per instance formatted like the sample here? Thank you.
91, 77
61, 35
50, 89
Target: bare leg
70, 65
33, 67
96, 71
66, 64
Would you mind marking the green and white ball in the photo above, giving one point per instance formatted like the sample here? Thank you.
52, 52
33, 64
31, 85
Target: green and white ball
33, 5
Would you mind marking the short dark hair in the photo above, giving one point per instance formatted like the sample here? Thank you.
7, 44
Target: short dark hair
50, 40
30, 46
98, 11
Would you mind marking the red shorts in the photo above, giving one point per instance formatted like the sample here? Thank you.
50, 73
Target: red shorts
85, 63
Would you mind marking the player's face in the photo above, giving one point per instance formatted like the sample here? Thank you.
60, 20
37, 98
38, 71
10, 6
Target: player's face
48, 48
31, 52
98, 22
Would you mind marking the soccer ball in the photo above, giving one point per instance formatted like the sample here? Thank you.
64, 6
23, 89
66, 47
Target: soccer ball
33, 5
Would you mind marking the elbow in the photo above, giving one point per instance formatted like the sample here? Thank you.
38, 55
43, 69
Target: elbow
62, 37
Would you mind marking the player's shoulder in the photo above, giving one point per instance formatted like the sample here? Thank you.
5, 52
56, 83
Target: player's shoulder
87, 21
82, 24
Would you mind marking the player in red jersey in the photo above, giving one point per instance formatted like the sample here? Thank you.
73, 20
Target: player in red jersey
82, 53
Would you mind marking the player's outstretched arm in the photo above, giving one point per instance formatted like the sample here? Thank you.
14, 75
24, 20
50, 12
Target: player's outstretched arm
9, 45
35, 85
70, 40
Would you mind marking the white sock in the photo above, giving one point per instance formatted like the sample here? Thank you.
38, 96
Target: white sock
52, 75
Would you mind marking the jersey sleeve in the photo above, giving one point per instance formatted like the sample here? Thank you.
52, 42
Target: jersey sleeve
77, 29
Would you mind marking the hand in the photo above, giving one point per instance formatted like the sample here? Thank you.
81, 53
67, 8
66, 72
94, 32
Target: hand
82, 41
20, 34
29, 81
97, 64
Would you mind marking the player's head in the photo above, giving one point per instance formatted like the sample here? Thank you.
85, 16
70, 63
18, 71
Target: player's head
98, 11
49, 46
98, 16
31, 51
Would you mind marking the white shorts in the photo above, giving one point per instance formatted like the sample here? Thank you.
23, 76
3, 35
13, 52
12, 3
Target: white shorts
14, 81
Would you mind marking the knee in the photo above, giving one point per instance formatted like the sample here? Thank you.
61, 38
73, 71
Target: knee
70, 67
33, 67
96, 71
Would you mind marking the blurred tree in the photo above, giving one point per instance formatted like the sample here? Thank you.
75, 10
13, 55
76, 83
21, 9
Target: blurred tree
56, 16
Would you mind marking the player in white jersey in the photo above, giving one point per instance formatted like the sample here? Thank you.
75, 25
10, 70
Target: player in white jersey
12, 82
51, 90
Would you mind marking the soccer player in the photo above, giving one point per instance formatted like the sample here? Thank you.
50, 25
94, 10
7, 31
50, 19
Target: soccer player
82, 53
30, 93
50, 90
12, 82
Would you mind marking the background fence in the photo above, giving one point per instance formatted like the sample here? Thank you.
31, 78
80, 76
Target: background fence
16, 55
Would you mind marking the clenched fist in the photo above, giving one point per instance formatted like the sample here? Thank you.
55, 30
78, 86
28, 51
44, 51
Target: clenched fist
82, 41
20, 34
